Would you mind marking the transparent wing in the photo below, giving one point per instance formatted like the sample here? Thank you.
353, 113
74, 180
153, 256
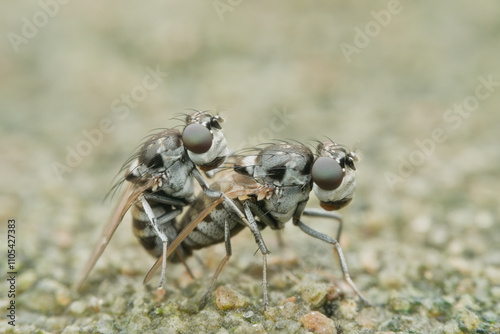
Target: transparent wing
130, 196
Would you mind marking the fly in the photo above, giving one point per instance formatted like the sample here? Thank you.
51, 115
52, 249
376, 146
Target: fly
272, 187
160, 180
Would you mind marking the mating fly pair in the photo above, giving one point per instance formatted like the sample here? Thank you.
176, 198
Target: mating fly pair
271, 187
268, 188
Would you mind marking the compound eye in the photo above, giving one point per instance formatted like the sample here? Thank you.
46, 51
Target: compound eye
327, 173
197, 138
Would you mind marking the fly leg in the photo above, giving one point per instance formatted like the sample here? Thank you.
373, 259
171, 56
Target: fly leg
157, 222
218, 194
227, 242
263, 248
154, 224
323, 237
252, 209
326, 214
247, 219
252, 224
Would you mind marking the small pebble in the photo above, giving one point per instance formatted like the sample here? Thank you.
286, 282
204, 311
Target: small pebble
455, 247
105, 325
271, 313
370, 261
451, 328
248, 314
138, 323
484, 219
258, 329
119, 305
50, 295
280, 324
468, 320
63, 239
77, 307
392, 279
493, 275
248, 328
288, 310
421, 224
318, 323
400, 305
461, 265
438, 236
348, 309
495, 292
292, 299
72, 329
315, 294
95, 304
26, 280
228, 299
466, 301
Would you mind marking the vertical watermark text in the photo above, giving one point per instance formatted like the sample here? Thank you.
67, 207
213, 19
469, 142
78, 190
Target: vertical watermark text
11, 271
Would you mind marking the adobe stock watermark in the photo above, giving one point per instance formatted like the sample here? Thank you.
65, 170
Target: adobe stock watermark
223, 6
31, 25
363, 37
119, 110
278, 122
453, 118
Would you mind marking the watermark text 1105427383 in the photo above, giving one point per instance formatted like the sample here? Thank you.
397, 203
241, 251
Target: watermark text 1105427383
11, 271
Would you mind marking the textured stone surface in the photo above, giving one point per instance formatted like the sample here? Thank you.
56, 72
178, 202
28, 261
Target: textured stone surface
422, 245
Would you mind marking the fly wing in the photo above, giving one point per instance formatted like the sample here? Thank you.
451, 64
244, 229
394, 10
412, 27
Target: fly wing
130, 196
233, 185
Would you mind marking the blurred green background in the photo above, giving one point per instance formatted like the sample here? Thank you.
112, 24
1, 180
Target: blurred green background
380, 76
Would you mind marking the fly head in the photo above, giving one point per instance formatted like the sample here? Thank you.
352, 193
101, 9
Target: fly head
204, 141
334, 175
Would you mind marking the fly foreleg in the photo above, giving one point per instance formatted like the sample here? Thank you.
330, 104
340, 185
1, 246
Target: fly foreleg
326, 214
227, 242
160, 234
263, 248
218, 194
326, 238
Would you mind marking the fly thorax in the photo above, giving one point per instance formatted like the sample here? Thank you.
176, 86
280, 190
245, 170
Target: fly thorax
285, 200
177, 177
285, 164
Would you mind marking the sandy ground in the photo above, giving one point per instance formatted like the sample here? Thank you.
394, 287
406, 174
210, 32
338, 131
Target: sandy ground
414, 86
